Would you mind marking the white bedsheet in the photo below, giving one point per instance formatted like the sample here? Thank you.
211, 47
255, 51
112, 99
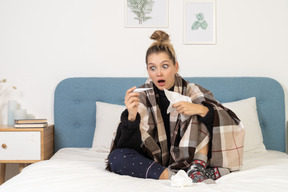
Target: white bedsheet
82, 170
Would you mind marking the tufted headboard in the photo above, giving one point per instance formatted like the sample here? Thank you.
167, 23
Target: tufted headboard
75, 108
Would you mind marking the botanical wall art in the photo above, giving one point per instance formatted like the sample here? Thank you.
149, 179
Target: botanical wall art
199, 22
146, 13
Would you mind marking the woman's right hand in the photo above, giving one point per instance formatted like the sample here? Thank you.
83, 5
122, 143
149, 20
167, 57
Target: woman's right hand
132, 102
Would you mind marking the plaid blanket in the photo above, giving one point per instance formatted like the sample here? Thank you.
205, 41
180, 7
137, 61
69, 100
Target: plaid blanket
190, 136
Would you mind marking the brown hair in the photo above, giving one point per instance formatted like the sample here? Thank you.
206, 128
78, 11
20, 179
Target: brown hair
161, 44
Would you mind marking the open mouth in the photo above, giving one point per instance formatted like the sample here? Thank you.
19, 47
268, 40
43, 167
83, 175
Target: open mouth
161, 82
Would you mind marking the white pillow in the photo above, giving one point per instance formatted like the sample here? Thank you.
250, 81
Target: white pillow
107, 120
246, 110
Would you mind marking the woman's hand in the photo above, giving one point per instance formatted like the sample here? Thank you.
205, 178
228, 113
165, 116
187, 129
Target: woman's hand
132, 102
187, 108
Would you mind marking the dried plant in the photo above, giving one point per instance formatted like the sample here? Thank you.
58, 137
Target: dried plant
4, 87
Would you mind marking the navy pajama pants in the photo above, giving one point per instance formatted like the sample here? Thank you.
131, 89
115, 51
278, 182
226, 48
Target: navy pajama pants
126, 161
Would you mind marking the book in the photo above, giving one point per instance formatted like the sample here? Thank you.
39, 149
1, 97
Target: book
23, 121
30, 125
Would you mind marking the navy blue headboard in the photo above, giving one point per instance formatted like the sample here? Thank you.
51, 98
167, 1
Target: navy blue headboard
75, 110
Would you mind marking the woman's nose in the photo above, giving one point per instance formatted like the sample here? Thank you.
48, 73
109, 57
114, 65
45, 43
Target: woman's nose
159, 72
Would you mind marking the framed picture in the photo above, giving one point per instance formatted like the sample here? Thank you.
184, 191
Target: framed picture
199, 22
146, 13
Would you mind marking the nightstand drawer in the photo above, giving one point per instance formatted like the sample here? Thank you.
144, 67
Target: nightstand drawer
20, 145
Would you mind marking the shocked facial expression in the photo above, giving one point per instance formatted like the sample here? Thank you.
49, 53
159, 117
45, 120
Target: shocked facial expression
161, 70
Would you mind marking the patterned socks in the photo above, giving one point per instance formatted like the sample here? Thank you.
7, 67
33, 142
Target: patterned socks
216, 172
199, 173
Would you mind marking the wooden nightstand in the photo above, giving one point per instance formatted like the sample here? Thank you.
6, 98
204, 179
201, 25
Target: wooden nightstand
24, 146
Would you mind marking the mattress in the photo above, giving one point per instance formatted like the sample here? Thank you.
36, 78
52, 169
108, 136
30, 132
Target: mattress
83, 169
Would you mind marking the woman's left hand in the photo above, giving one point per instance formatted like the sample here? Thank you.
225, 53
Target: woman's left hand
187, 108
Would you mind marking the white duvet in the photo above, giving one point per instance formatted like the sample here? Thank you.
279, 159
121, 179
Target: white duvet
83, 170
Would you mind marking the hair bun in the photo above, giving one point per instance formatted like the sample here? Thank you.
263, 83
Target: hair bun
160, 36
161, 44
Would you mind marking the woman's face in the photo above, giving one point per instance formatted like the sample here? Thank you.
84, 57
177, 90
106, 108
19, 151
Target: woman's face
161, 70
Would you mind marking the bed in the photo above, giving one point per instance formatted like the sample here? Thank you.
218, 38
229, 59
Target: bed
83, 133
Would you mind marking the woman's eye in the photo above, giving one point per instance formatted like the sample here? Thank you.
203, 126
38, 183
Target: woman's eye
152, 68
165, 66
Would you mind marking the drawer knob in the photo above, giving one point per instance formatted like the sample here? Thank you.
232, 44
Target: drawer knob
4, 146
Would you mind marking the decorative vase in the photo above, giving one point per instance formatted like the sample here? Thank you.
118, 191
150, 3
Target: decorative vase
12, 106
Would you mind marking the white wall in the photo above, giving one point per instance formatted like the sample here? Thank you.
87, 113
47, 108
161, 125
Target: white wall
44, 41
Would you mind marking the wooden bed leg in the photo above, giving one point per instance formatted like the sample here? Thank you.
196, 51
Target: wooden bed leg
3, 171
21, 166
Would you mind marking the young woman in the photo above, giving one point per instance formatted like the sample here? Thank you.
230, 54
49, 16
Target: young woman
150, 143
